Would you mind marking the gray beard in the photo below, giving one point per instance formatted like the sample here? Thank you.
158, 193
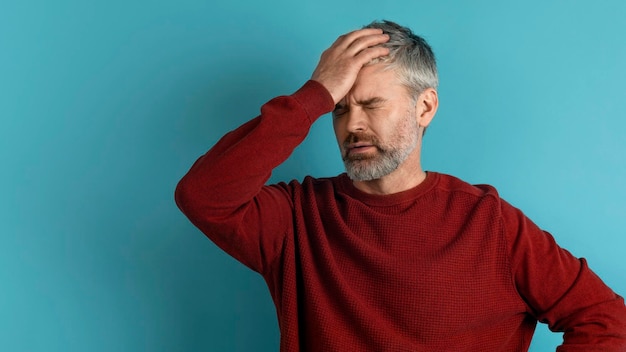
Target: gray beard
390, 155
373, 168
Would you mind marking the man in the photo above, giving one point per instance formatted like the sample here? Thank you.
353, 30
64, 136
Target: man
388, 257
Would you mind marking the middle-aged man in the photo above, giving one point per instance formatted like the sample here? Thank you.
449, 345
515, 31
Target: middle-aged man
388, 257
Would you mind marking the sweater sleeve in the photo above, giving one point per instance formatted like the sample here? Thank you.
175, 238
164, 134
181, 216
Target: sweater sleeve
561, 291
224, 192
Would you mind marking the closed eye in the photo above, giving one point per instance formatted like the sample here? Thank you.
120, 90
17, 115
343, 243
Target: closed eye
372, 103
339, 110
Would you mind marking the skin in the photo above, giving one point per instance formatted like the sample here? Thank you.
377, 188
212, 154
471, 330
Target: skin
371, 101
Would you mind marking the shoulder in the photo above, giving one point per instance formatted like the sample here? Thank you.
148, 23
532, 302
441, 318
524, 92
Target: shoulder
457, 187
482, 199
460, 197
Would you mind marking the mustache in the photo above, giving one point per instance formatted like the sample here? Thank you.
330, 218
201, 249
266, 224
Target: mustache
360, 137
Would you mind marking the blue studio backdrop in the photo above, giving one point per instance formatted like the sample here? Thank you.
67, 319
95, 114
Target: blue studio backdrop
104, 105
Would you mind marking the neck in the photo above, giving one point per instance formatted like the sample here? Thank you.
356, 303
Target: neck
408, 175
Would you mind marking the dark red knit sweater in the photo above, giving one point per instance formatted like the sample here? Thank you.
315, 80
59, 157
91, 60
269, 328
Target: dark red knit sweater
445, 266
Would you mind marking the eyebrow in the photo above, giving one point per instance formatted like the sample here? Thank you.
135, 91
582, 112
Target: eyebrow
366, 102
371, 101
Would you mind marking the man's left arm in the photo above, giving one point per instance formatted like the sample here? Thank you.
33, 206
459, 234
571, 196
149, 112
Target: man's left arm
561, 290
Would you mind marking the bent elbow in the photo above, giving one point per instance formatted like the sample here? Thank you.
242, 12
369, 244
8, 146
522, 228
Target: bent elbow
184, 196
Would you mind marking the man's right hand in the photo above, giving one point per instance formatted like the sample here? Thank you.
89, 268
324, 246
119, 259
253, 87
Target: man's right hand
340, 64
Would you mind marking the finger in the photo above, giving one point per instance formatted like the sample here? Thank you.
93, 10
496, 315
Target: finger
347, 39
369, 54
366, 42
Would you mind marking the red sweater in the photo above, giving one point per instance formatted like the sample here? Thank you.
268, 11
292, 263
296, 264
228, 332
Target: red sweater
445, 266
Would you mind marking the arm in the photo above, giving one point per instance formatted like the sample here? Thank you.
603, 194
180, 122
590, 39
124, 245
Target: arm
562, 291
223, 193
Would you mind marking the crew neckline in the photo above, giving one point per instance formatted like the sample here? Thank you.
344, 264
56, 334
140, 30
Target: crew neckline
347, 187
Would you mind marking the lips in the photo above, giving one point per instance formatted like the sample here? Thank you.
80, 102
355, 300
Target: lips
359, 139
359, 145
359, 151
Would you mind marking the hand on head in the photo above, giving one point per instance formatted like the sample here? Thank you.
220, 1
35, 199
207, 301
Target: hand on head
340, 64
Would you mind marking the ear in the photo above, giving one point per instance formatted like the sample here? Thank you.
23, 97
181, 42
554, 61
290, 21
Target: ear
426, 107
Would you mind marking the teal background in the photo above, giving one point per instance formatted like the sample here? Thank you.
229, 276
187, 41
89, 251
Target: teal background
104, 105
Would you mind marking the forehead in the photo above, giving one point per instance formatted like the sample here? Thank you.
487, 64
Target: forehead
377, 80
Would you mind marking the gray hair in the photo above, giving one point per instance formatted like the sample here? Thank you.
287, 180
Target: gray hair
410, 56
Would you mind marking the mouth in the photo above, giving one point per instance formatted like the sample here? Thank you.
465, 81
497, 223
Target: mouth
359, 145
359, 148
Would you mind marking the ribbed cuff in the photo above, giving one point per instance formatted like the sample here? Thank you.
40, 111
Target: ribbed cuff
315, 99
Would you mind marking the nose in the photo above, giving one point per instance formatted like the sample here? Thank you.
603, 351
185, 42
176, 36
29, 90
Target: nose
356, 121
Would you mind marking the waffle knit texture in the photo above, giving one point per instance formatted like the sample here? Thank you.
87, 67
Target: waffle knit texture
445, 266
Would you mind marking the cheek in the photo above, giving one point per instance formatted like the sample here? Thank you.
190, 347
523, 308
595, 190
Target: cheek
392, 126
